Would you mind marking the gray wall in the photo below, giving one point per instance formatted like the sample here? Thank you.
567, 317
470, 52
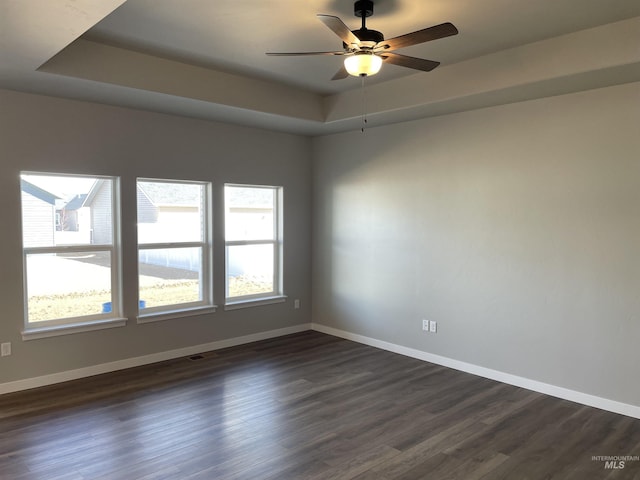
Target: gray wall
53, 135
516, 227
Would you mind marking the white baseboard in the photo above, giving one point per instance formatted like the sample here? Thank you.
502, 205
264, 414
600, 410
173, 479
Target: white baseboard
553, 390
145, 360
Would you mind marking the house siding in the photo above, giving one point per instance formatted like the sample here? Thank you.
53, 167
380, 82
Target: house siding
147, 211
38, 221
101, 214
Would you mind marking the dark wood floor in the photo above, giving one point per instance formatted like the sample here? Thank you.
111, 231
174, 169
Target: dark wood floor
305, 406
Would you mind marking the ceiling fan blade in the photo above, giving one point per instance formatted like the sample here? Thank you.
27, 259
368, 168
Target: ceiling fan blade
340, 74
338, 27
291, 54
421, 36
409, 62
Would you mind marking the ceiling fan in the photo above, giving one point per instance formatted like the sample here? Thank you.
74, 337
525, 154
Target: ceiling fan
365, 50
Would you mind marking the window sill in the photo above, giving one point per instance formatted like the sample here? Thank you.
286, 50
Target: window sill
171, 315
254, 302
33, 333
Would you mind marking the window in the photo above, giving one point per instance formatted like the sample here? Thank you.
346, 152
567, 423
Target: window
253, 242
70, 250
174, 246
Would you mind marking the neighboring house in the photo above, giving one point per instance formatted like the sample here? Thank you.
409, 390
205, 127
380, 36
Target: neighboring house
39, 215
160, 210
246, 207
74, 222
100, 202
165, 205
253, 204
169, 212
253, 200
147, 210
69, 215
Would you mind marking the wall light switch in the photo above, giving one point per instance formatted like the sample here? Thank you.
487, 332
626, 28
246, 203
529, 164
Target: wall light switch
433, 326
5, 349
296, 303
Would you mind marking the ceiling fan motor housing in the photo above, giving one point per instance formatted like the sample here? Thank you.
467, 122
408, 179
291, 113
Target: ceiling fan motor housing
366, 35
363, 7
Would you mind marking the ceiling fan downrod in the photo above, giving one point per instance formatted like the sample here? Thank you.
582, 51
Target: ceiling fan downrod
363, 9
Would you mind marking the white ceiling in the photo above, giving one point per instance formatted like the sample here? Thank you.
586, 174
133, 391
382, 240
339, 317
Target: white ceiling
207, 59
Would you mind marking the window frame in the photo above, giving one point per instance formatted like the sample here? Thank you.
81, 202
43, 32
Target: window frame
61, 326
205, 279
277, 293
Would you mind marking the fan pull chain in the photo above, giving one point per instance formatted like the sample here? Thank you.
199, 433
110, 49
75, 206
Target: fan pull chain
364, 105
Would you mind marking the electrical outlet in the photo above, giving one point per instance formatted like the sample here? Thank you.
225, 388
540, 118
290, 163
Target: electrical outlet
425, 325
433, 326
5, 349
296, 303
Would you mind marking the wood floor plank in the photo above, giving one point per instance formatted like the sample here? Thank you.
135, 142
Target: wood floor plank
304, 406
358, 464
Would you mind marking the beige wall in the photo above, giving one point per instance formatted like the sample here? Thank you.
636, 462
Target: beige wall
53, 135
516, 228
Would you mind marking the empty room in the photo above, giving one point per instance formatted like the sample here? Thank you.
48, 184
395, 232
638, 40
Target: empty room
324, 239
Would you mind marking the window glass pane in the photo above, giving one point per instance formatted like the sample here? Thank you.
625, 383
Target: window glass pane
170, 276
68, 285
66, 210
170, 212
249, 270
249, 213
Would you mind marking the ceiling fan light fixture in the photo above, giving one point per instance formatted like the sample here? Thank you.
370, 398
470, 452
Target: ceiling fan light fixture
362, 64
365, 49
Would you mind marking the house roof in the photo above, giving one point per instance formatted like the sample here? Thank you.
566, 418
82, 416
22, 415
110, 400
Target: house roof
249, 197
38, 192
174, 194
95, 188
76, 202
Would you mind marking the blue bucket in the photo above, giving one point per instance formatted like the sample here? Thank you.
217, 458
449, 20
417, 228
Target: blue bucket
106, 306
